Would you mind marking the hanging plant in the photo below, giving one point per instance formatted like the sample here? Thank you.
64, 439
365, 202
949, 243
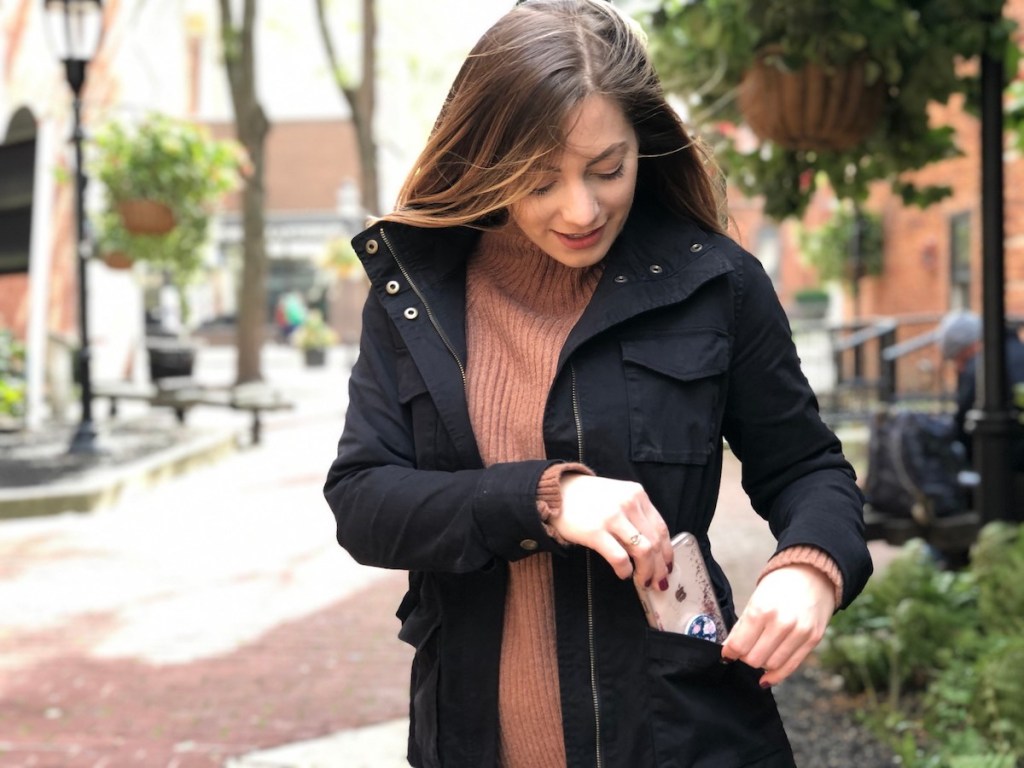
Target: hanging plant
172, 172
162, 170
911, 54
847, 247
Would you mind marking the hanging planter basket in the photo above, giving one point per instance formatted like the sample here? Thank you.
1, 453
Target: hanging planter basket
146, 217
813, 108
117, 260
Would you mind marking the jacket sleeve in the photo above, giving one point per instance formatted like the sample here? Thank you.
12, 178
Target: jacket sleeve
793, 467
391, 514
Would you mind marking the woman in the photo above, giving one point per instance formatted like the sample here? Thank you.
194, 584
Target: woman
558, 338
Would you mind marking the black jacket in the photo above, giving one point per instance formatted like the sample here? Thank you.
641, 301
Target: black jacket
683, 343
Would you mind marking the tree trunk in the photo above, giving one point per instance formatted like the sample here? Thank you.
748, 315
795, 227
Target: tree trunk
251, 127
361, 99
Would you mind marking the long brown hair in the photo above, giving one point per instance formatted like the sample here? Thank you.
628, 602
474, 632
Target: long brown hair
508, 108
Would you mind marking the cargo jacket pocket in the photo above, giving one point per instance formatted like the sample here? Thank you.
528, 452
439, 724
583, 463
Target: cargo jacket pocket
674, 385
706, 714
433, 447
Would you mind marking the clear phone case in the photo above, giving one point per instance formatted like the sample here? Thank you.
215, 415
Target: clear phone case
689, 605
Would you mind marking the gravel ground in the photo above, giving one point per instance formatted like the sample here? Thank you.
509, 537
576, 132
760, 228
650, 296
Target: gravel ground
822, 725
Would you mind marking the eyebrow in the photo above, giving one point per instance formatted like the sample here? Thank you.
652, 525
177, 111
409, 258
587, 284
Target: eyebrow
620, 146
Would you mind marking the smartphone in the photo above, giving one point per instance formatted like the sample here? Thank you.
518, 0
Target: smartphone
689, 605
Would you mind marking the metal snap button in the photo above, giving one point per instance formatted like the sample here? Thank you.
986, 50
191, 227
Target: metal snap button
621, 279
411, 313
656, 269
392, 287
696, 247
372, 246
528, 544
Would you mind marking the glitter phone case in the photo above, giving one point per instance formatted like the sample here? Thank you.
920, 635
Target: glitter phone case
689, 605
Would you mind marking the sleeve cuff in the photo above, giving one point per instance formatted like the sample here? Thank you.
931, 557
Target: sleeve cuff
812, 556
549, 495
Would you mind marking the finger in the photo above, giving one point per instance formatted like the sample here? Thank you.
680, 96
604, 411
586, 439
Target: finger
775, 676
657, 532
611, 549
742, 638
638, 546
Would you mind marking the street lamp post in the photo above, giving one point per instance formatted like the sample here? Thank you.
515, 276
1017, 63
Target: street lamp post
74, 29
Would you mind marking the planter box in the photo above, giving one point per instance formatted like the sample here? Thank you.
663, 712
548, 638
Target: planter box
169, 358
316, 357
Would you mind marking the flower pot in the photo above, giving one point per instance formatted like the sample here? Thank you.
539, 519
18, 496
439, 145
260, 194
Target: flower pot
146, 217
316, 357
813, 108
117, 260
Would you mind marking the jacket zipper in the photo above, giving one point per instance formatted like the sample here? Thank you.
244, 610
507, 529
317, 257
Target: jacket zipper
426, 306
598, 758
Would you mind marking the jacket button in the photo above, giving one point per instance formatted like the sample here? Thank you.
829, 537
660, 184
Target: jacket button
528, 544
392, 287
656, 269
371, 247
411, 313
621, 279
696, 247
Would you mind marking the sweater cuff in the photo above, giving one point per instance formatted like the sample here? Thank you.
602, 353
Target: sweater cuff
812, 556
549, 495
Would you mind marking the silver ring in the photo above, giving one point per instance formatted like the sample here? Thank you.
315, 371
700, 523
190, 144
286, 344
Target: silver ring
634, 540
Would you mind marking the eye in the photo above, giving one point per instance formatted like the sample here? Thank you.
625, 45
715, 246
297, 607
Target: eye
543, 189
611, 176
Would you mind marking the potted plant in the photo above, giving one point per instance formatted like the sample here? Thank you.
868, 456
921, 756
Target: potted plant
180, 167
314, 337
894, 58
810, 303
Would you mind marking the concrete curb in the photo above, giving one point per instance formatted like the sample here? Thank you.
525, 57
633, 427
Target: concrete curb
375, 746
106, 488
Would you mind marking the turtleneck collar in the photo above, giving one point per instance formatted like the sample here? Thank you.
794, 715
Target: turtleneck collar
518, 269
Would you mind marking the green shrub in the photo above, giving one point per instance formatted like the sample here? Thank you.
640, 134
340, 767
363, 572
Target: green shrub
12, 375
954, 641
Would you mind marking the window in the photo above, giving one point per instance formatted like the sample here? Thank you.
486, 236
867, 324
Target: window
960, 260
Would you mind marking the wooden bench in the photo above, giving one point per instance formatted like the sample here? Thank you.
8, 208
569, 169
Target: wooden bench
180, 394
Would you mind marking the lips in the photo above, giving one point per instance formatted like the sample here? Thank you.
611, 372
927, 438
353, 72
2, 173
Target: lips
581, 241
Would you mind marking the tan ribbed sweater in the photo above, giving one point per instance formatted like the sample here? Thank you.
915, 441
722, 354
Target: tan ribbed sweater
520, 307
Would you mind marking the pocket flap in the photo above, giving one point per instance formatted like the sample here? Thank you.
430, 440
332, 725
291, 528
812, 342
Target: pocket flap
683, 357
410, 382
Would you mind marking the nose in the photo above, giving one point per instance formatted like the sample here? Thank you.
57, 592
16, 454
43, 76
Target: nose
579, 206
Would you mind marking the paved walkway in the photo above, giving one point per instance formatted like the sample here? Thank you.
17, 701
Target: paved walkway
213, 621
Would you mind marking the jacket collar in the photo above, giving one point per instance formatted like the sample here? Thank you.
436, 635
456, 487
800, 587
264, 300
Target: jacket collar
658, 260
419, 276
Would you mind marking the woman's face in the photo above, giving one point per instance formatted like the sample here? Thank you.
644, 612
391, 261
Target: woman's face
581, 202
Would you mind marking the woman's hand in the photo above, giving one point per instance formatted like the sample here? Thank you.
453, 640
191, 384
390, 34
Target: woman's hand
617, 520
783, 622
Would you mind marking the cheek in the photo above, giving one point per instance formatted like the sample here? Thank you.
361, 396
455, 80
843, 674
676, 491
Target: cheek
527, 214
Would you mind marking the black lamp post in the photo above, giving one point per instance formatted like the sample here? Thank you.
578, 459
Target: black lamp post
992, 417
74, 27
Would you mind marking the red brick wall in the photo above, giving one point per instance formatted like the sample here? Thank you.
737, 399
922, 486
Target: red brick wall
306, 163
916, 277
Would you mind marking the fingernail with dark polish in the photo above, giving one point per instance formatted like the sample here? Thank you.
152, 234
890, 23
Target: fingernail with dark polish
726, 660
663, 585
766, 686
647, 584
670, 566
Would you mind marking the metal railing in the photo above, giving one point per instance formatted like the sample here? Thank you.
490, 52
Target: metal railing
885, 360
